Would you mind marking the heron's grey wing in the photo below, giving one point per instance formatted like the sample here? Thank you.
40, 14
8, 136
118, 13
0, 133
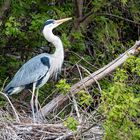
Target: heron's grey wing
32, 71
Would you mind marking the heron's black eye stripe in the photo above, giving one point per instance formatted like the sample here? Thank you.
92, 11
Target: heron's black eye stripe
45, 61
49, 22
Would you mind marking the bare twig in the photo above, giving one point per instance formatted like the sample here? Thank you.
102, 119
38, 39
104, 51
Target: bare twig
16, 115
81, 76
66, 136
93, 78
76, 109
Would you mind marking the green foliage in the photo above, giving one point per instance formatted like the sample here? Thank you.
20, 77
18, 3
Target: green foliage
78, 44
133, 63
120, 105
98, 4
120, 75
2, 102
37, 22
71, 123
63, 87
99, 38
124, 1
84, 98
7, 68
65, 40
12, 27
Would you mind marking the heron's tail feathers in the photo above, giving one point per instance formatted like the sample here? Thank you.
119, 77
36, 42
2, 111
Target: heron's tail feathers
9, 90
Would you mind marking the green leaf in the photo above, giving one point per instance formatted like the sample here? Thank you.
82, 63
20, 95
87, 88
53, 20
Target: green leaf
71, 123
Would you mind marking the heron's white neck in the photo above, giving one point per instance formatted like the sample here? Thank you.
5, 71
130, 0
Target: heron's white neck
56, 41
59, 51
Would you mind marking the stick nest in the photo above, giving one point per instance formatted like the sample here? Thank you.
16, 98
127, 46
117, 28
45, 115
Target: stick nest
26, 130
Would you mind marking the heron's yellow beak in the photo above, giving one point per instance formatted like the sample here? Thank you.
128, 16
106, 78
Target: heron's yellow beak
60, 21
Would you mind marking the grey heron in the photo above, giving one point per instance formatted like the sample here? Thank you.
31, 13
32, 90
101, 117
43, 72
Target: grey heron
36, 72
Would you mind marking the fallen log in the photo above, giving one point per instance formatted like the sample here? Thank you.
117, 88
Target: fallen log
92, 78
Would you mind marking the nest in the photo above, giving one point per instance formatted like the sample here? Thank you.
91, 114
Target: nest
19, 125
11, 130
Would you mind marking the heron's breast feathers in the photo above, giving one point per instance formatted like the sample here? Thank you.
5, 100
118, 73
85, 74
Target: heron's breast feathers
56, 66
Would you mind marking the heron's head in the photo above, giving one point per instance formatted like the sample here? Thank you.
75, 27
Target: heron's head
50, 25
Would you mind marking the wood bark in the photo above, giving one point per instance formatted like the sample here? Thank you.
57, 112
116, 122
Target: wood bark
91, 79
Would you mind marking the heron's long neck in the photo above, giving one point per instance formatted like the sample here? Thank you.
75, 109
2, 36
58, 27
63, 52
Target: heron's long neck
59, 51
58, 55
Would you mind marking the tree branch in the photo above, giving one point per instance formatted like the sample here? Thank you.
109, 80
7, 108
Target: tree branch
79, 7
14, 110
88, 81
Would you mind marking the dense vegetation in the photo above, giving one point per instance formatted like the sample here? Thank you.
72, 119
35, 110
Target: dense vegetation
100, 31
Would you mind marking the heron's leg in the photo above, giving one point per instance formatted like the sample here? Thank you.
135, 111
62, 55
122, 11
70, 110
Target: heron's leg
36, 101
32, 102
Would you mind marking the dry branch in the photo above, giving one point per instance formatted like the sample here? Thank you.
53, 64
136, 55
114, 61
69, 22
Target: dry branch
14, 110
88, 81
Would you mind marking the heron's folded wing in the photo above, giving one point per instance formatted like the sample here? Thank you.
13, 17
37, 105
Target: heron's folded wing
30, 72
